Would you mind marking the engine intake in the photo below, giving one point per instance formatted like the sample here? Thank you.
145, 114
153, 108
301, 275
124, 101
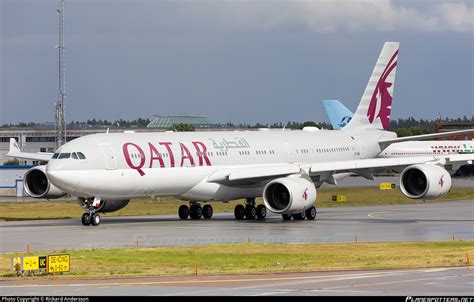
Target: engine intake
289, 195
424, 181
37, 184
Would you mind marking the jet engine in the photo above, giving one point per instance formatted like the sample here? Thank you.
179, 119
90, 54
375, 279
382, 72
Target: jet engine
37, 184
106, 206
424, 181
289, 195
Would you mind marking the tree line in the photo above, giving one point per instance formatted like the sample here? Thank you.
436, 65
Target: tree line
402, 126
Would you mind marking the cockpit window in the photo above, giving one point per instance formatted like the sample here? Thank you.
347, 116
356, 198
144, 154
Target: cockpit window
74, 155
64, 155
55, 155
81, 155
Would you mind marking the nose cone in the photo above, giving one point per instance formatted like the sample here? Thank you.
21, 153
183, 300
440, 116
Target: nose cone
61, 177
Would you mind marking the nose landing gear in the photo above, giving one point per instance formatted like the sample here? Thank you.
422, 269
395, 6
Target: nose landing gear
91, 217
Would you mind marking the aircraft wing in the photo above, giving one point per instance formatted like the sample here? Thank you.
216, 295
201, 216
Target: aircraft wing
252, 174
327, 170
385, 143
15, 151
381, 163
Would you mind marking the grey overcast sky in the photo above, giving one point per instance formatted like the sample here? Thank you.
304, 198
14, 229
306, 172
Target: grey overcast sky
247, 61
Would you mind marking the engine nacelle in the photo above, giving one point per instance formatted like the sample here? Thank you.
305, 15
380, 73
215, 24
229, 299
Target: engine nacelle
424, 181
289, 195
107, 206
37, 184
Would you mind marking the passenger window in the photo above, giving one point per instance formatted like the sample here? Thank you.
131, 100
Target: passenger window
81, 156
74, 155
64, 155
55, 155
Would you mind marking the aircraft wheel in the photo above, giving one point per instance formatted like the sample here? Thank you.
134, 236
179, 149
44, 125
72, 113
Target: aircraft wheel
250, 212
95, 219
261, 211
311, 213
86, 219
195, 211
207, 211
239, 212
299, 216
183, 212
286, 216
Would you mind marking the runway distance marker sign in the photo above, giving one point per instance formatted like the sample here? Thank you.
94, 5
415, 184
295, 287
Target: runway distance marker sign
58, 263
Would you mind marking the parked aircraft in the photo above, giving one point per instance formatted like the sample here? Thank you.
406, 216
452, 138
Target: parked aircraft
285, 167
339, 115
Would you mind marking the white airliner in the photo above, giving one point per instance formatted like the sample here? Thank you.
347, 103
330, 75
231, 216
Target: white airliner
339, 115
106, 170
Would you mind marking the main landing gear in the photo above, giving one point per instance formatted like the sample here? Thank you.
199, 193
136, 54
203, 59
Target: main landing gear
91, 217
195, 211
309, 214
250, 212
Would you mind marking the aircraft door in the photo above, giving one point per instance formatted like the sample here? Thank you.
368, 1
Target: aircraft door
110, 160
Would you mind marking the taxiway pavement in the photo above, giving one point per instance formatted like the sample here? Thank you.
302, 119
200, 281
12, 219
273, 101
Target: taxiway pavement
416, 222
420, 282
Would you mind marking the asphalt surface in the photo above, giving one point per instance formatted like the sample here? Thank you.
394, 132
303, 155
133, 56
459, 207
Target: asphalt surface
421, 282
417, 222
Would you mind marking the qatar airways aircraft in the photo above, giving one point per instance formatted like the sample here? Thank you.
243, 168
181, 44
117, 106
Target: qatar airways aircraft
339, 115
285, 167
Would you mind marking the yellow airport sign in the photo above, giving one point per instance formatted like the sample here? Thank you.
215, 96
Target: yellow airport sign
30, 263
42, 262
387, 186
16, 264
58, 263
339, 198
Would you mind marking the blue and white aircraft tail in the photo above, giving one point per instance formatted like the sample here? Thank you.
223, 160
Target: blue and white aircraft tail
339, 115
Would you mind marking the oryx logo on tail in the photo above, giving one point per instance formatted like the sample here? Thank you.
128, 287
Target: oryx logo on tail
381, 101
376, 102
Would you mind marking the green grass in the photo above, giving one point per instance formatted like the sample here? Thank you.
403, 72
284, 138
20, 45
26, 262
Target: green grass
356, 196
258, 258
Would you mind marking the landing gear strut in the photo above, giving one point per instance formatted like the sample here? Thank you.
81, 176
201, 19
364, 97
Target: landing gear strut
250, 212
91, 217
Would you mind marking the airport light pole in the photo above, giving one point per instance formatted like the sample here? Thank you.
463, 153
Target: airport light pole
61, 102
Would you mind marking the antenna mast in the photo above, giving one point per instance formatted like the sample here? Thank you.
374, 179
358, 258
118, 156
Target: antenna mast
61, 102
